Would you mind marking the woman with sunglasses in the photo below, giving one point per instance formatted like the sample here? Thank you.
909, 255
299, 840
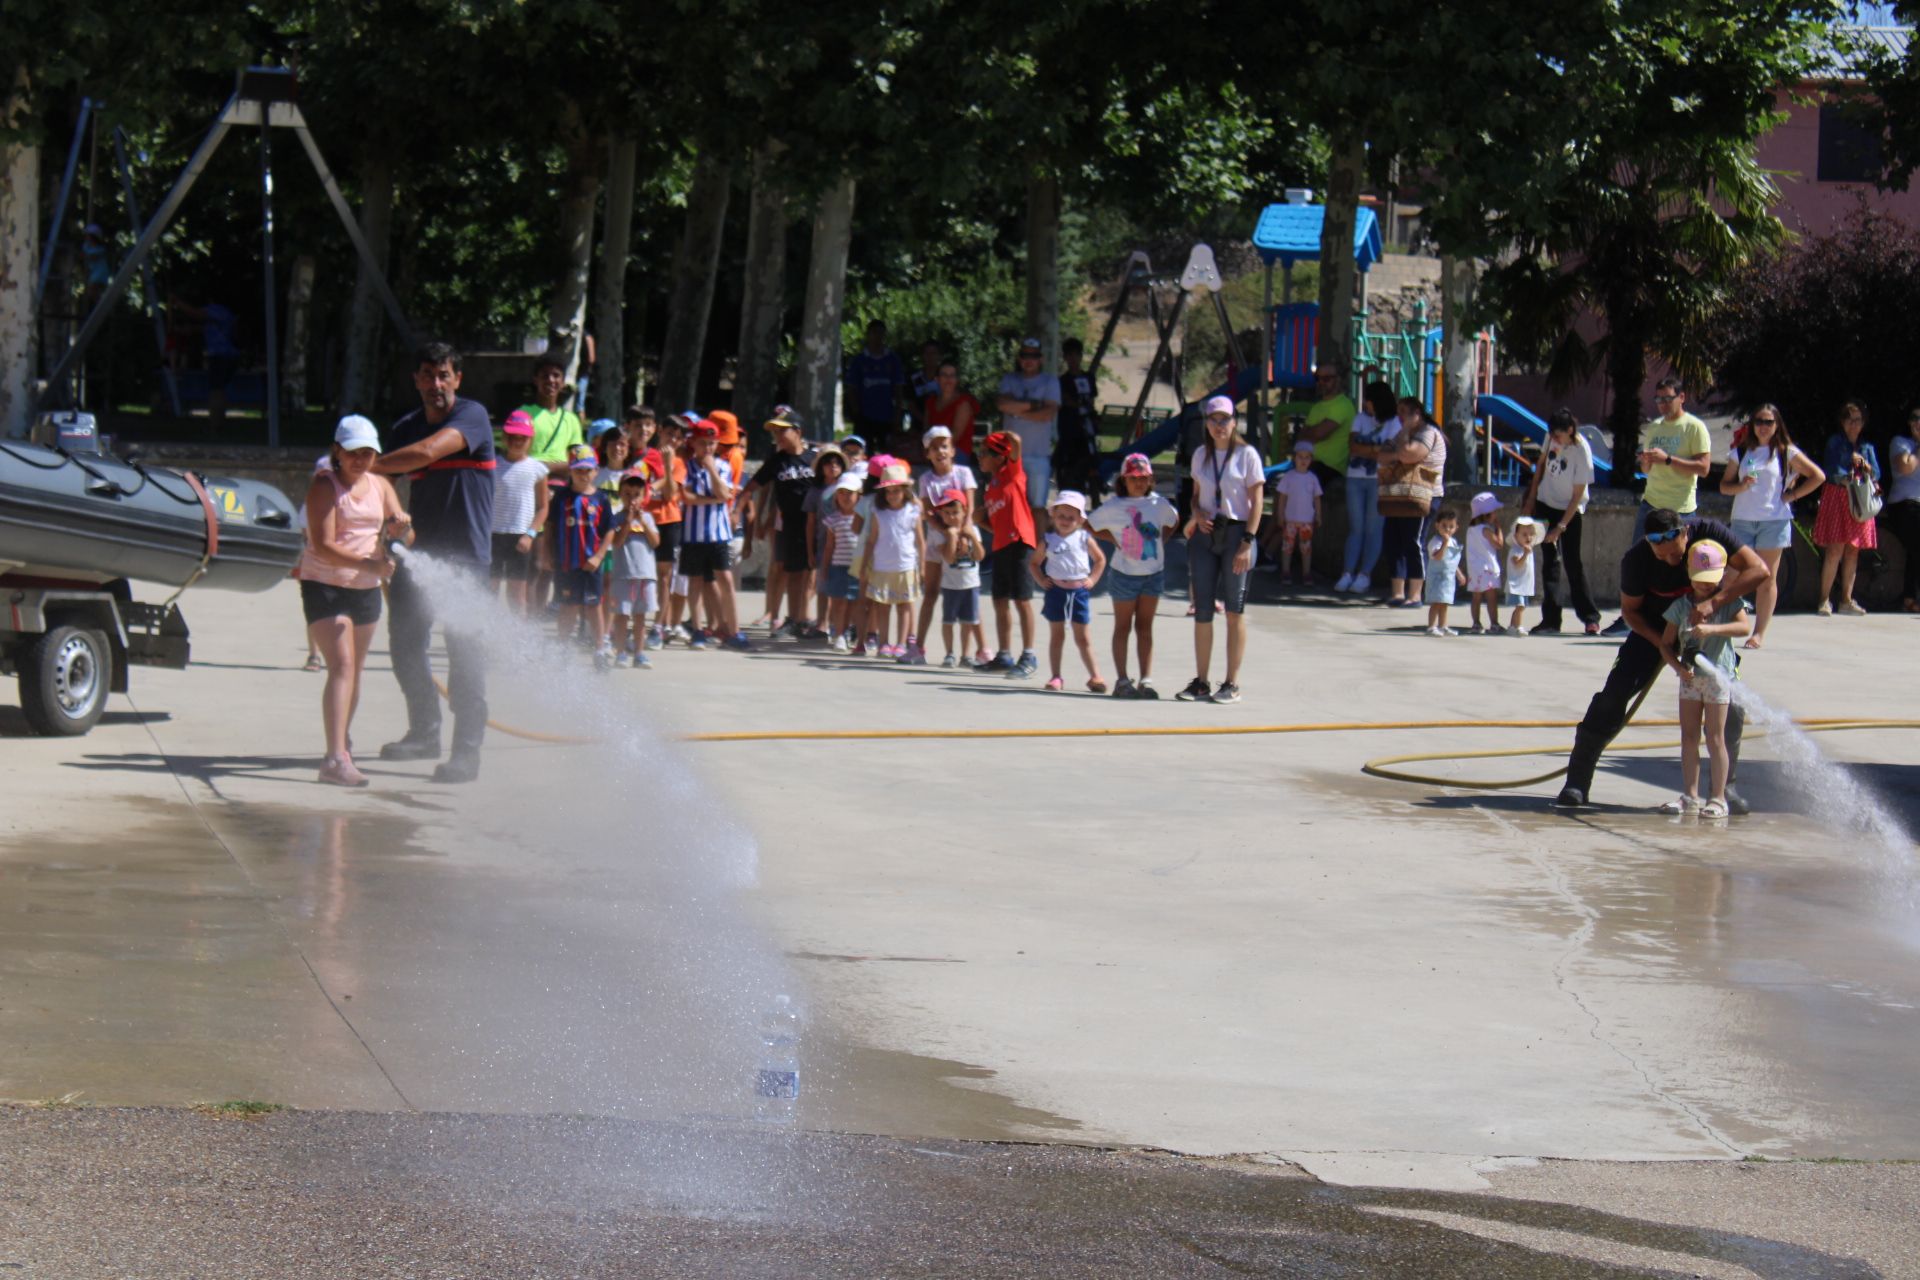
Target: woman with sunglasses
1840, 537
1903, 507
1766, 474
1229, 497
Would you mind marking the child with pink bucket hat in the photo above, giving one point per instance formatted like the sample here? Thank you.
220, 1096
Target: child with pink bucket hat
1700, 651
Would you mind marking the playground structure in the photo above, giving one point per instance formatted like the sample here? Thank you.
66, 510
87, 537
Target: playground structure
1410, 358
263, 97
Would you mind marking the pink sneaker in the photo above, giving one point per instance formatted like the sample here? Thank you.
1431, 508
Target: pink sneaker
338, 771
1056, 684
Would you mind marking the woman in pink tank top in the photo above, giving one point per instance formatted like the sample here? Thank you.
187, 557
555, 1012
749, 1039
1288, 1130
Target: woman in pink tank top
351, 515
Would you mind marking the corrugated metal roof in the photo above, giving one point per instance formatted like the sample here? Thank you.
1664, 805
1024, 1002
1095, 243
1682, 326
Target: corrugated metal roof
1854, 46
1290, 233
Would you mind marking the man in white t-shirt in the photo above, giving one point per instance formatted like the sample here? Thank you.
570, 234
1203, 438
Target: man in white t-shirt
1562, 480
1029, 400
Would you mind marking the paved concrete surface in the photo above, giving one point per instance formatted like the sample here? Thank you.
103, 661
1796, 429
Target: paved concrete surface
108, 1194
1211, 945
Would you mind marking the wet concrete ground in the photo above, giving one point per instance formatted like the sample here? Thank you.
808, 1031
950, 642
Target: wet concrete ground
1211, 945
88, 1194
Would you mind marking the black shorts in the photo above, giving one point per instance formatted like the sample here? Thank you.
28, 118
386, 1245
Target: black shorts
510, 563
705, 560
1012, 575
790, 545
669, 549
577, 587
323, 600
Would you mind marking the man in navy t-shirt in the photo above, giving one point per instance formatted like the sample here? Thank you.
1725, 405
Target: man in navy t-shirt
876, 383
446, 447
1653, 574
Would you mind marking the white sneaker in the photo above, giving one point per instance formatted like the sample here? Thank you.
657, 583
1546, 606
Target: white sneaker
1345, 583
1448, 631
623, 660
1435, 631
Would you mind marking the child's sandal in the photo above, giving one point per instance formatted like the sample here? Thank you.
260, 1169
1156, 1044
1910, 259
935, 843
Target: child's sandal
1096, 686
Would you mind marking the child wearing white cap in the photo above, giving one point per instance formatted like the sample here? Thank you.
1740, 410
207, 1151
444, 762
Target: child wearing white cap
1068, 563
1484, 547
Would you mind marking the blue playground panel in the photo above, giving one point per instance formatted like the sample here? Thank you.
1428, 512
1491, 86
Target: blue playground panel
1290, 233
1515, 416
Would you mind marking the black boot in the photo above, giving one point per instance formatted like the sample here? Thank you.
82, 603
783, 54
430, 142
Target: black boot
413, 747
1570, 798
461, 766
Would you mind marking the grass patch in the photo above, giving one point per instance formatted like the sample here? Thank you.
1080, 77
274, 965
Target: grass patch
246, 1108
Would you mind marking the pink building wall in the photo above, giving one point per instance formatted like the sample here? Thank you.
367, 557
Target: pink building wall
1808, 207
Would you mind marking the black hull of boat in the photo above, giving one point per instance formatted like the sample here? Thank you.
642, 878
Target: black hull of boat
97, 517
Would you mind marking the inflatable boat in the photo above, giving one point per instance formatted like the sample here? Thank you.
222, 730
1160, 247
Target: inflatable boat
89, 517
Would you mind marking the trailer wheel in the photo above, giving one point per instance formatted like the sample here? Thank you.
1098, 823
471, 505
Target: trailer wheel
64, 678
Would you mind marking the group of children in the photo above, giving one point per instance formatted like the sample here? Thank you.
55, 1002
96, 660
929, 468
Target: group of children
1500, 568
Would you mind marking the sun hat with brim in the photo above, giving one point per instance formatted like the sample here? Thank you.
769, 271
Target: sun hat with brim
1217, 404
1136, 464
851, 482
934, 433
517, 424
897, 474
356, 432
1485, 503
1068, 498
1706, 561
728, 424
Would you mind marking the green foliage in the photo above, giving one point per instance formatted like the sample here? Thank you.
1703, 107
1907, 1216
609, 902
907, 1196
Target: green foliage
978, 317
1828, 321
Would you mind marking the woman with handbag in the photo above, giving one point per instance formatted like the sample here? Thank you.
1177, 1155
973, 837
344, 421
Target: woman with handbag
1229, 497
1848, 505
1411, 482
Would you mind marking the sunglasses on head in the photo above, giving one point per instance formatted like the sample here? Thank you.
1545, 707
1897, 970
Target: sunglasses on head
1665, 535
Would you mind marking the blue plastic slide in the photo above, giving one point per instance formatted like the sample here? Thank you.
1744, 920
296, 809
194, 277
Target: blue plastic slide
1166, 435
1511, 413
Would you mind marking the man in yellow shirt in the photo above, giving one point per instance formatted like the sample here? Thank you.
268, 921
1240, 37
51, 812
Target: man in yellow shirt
1330, 424
1675, 451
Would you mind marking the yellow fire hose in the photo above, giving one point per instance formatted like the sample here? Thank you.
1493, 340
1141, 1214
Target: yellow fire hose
1383, 767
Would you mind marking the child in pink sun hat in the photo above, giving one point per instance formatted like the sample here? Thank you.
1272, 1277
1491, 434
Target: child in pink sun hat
1700, 651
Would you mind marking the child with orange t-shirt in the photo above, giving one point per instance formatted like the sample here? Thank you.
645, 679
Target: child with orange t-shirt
1005, 512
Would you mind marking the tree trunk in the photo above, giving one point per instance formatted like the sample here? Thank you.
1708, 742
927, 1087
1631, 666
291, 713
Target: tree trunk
695, 269
756, 377
293, 352
1458, 279
567, 316
1043, 265
816, 375
606, 398
361, 389
19, 261
1626, 371
1338, 274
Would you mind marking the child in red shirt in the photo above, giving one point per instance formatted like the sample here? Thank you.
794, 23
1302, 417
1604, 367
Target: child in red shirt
1005, 512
